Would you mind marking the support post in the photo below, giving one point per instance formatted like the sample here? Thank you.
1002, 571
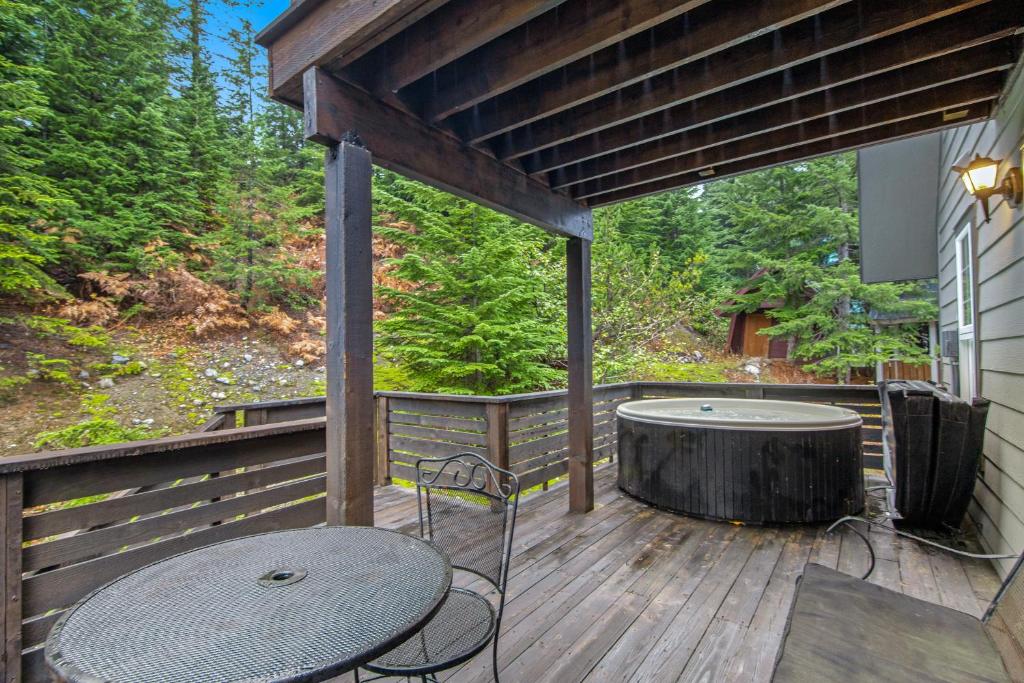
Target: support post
11, 504
497, 437
350, 404
581, 377
383, 441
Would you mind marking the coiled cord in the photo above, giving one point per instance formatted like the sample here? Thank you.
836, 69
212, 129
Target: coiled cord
849, 519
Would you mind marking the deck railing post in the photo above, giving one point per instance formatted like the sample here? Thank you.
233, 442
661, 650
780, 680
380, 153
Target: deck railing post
581, 376
349, 271
497, 434
383, 473
11, 504
255, 416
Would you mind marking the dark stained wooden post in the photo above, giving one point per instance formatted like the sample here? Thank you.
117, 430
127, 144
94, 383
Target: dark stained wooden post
497, 434
350, 403
11, 499
383, 473
581, 377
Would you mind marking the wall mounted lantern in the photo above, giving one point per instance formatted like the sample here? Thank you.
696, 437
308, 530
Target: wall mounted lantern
979, 176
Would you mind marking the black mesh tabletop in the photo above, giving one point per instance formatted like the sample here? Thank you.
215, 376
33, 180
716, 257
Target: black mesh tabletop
299, 605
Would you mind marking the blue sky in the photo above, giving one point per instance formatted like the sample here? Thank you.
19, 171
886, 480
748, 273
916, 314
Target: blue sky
224, 17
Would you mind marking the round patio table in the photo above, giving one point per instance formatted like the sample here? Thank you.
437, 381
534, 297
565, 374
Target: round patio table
298, 605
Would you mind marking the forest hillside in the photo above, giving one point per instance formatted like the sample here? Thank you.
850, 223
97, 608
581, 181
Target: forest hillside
161, 249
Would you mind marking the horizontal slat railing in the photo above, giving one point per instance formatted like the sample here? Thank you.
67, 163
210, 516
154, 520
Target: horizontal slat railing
76, 519
535, 428
539, 438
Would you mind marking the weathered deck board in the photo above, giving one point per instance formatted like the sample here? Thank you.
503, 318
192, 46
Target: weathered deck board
631, 593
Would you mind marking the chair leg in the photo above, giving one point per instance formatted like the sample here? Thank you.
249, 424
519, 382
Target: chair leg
494, 658
355, 672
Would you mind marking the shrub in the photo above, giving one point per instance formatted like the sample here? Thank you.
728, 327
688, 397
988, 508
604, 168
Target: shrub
92, 337
51, 369
95, 431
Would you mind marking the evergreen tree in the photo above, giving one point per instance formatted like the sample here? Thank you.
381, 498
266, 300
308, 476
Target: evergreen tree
797, 226
291, 167
110, 144
484, 313
27, 198
262, 206
673, 222
199, 119
637, 297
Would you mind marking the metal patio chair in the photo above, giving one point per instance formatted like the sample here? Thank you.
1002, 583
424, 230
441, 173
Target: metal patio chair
468, 510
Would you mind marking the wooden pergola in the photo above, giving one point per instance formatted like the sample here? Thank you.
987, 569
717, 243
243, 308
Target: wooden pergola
543, 109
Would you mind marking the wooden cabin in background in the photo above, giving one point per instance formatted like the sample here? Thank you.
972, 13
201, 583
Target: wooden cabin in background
744, 327
744, 338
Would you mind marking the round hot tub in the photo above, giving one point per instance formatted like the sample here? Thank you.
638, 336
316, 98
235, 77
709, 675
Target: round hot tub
754, 461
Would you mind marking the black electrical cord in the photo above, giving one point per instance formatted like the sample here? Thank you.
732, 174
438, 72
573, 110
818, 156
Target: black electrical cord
871, 550
963, 553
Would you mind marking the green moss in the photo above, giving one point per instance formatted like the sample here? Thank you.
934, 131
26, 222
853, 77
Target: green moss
132, 367
99, 428
317, 387
128, 369
9, 387
93, 432
91, 337
176, 376
51, 369
658, 371
95, 404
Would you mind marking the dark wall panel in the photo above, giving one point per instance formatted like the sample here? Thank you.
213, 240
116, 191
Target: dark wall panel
898, 206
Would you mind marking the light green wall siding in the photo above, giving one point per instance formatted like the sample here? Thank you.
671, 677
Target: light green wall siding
998, 507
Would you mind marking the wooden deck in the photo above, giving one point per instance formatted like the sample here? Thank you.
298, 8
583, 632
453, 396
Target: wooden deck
631, 593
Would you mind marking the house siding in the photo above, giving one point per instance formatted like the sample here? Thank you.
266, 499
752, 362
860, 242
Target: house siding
997, 510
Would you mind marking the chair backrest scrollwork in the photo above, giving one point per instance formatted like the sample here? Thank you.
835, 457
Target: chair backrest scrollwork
467, 509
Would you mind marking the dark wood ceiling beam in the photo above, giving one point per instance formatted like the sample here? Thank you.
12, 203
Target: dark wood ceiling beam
843, 28
997, 56
961, 31
834, 145
709, 28
457, 28
944, 98
408, 146
315, 32
569, 32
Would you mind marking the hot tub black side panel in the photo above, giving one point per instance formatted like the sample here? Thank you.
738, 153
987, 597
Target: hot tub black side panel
745, 475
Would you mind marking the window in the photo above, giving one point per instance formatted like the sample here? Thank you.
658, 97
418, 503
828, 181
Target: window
964, 282
967, 381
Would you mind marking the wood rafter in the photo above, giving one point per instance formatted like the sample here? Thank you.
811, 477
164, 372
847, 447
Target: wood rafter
843, 28
404, 144
539, 108
571, 31
688, 38
928, 42
935, 72
314, 32
964, 93
834, 145
465, 25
